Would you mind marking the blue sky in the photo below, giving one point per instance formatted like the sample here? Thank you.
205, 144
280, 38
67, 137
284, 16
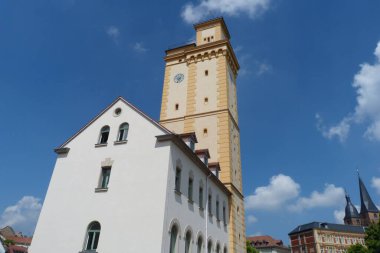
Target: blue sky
308, 94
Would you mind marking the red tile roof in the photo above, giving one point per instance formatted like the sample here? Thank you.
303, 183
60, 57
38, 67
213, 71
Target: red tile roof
20, 240
265, 241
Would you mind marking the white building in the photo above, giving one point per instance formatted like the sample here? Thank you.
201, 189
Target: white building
124, 183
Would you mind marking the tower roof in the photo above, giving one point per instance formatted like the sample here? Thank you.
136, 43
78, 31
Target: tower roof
350, 211
367, 204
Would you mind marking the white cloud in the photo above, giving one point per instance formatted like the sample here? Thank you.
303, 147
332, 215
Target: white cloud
263, 68
139, 47
280, 190
331, 196
376, 184
367, 110
340, 130
253, 8
339, 216
251, 219
23, 215
114, 33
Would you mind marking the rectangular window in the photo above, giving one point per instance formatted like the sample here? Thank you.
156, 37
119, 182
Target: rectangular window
190, 189
206, 72
209, 204
200, 197
106, 172
217, 210
224, 216
178, 180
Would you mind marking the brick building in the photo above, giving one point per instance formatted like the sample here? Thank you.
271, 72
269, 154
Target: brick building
318, 237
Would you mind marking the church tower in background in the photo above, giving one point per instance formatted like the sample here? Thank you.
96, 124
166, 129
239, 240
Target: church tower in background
368, 210
199, 95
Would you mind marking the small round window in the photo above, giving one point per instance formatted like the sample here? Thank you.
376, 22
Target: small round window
117, 111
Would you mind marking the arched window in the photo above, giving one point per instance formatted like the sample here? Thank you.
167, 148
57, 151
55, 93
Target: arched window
187, 241
173, 239
93, 233
123, 132
218, 248
104, 133
209, 246
199, 244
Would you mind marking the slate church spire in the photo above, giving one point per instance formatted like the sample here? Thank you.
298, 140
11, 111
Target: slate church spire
368, 210
352, 216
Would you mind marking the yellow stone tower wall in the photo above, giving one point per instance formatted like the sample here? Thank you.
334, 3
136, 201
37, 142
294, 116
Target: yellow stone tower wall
205, 102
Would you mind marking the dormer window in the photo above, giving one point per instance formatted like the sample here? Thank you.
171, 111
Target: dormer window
104, 133
215, 168
189, 139
203, 155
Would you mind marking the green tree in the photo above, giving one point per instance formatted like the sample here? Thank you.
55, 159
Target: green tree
8, 242
372, 238
250, 248
357, 248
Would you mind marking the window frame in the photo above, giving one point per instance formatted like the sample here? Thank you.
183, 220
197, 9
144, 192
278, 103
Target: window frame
190, 189
177, 180
122, 134
105, 177
94, 238
104, 130
173, 248
209, 204
200, 197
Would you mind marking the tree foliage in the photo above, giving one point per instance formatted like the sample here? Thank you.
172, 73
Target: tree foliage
357, 248
372, 238
250, 248
8, 242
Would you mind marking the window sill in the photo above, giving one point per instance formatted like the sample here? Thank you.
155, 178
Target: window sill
190, 201
201, 208
177, 192
217, 219
98, 145
99, 189
120, 142
88, 251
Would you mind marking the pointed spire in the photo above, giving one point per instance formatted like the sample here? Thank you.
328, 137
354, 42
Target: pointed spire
367, 204
350, 211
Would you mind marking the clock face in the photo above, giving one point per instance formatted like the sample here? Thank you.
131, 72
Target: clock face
179, 78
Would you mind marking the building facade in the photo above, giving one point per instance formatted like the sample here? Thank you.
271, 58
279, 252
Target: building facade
317, 237
199, 95
124, 182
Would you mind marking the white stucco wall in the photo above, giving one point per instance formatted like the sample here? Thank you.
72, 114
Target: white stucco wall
131, 212
2, 250
189, 215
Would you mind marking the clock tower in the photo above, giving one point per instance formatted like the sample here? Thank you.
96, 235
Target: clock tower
199, 95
